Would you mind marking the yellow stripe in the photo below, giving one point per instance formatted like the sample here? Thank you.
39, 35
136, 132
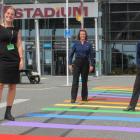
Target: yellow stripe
101, 106
100, 102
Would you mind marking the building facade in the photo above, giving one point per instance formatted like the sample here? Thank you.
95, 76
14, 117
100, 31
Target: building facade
121, 34
118, 33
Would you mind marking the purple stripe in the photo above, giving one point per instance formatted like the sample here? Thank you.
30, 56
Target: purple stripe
70, 126
97, 95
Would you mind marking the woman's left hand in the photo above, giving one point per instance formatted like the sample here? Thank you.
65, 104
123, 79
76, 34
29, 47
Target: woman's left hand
91, 68
21, 64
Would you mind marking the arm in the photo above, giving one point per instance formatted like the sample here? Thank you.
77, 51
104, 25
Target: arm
20, 50
71, 54
138, 54
71, 57
91, 58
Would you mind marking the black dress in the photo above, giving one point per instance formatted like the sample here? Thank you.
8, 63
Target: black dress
9, 56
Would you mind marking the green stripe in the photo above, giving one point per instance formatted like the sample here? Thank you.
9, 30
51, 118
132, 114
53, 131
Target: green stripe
89, 110
115, 91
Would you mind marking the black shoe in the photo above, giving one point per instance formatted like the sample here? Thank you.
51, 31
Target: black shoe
72, 101
129, 109
9, 117
85, 100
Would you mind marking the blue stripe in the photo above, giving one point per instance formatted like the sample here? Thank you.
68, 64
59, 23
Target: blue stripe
99, 95
84, 117
108, 93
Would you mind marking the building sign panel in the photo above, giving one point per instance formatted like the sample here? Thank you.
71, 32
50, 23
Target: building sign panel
24, 11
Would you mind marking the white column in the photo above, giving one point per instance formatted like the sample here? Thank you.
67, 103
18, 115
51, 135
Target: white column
67, 41
23, 41
96, 47
37, 42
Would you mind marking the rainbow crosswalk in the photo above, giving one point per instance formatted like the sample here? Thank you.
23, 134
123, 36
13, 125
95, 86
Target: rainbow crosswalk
20, 137
104, 100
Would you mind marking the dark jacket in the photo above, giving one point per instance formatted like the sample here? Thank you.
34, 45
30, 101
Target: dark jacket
82, 51
138, 55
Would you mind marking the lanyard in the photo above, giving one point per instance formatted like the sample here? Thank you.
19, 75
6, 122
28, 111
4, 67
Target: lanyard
11, 36
12, 32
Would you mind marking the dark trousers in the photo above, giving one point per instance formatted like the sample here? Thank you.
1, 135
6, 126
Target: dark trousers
136, 90
81, 66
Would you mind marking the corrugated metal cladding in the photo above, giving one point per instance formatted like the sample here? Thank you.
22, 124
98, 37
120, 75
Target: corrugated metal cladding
40, 1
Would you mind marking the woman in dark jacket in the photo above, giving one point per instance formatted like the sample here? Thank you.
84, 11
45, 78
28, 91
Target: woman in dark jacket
136, 88
83, 64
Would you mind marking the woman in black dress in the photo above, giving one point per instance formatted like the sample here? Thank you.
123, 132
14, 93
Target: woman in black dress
11, 58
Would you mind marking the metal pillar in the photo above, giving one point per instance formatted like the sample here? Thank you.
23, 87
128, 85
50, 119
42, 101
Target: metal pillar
23, 42
67, 40
37, 42
96, 47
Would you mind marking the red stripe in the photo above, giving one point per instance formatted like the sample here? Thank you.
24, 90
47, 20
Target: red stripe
20, 137
109, 99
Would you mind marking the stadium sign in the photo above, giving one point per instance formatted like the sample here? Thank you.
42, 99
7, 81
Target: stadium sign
24, 11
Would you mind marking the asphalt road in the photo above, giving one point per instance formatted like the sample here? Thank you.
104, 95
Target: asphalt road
44, 109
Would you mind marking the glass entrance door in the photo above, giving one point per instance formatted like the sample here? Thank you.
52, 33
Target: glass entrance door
46, 61
59, 62
124, 58
30, 56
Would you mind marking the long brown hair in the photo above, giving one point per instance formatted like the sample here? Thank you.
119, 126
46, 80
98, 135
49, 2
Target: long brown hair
5, 10
9, 7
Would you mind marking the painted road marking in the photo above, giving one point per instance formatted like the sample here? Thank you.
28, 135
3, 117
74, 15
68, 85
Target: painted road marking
71, 126
118, 93
32, 89
106, 99
110, 90
20, 137
80, 117
81, 105
114, 87
16, 101
99, 102
97, 95
107, 93
90, 110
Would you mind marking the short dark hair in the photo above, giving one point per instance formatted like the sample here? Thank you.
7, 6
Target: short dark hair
82, 30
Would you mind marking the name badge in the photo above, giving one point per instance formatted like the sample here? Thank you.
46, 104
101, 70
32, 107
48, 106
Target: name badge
10, 47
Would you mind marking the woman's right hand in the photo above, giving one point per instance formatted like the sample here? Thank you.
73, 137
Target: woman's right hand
21, 64
70, 68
